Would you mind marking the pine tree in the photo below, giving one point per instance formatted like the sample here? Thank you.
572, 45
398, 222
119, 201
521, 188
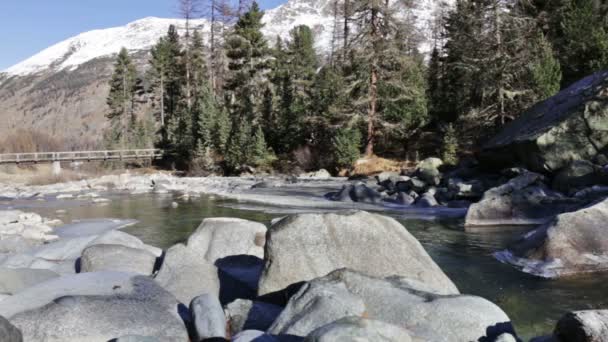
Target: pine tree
449, 153
121, 98
546, 71
221, 131
345, 147
157, 76
435, 86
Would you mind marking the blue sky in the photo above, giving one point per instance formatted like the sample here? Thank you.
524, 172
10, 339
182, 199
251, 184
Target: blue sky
29, 26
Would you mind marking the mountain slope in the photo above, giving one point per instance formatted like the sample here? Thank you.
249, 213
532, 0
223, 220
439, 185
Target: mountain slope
62, 89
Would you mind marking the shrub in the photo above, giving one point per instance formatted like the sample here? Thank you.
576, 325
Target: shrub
450, 146
346, 147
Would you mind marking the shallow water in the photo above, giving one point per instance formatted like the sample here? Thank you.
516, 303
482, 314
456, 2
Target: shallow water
533, 304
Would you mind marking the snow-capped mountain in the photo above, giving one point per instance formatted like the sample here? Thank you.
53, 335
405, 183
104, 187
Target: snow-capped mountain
62, 89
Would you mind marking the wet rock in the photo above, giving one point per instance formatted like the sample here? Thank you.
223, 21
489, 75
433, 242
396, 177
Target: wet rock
356, 193
95, 307
568, 126
305, 246
208, 316
14, 280
578, 175
523, 200
186, 274
583, 326
427, 200
217, 238
243, 314
8, 332
117, 258
359, 329
403, 302
572, 243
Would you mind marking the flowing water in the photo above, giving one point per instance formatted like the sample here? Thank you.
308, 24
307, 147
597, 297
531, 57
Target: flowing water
533, 304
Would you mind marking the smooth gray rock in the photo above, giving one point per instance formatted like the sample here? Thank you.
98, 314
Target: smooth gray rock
506, 338
404, 302
523, 200
186, 274
8, 332
222, 236
95, 307
208, 316
305, 246
116, 237
136, 338
260, 336
572, 243
572, 125
583, 326
359, 329
14, 280
243, 314
117, 258
426, 200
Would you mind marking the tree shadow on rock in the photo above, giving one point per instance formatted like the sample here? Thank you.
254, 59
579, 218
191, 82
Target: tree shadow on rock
494, 331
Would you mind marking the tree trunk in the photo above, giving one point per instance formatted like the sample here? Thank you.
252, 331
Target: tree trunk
188, 90
373, 83
213, 23
346, 13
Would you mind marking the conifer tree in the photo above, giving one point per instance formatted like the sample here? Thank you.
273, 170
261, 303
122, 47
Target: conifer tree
157, 77
121, 99
546, 71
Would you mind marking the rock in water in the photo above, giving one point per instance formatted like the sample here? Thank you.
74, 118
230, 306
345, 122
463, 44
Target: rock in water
572, 243
221, 237
403, 302
117, 258
8, 332
359, 329
95, 307
523, 200
583, 326
305, 246
209, 319
572, 125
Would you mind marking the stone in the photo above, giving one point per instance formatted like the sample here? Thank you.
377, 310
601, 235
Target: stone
428, 170
117, 258
505, 338
359, 192
96, 306
523, 200
305, 246
243, 314
404, 199
426, 200
8, 332
415, 184
387, 176
471, 189
572, 125
136, 338
220, 237
583, 326
208, 316
116, 237
186, 274
578, 175
572, 243
308, 310
14, 280
359, 329
407, 303
320, 174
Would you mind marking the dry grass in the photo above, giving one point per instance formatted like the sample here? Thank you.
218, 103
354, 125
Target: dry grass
373, 165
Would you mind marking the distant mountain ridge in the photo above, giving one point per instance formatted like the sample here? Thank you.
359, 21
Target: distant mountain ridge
62, 89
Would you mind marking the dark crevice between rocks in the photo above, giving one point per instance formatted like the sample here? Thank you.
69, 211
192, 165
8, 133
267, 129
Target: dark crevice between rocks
239, 276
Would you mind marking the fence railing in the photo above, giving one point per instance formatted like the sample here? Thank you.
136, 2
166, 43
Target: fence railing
42, 157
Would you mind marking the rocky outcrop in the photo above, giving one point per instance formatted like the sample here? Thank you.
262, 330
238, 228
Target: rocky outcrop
8, 332
306, 246
583, 326
523, 200
95, 307
117, 258
208, 316
572, 243
403, 302
14, 280
359, 329
572, 125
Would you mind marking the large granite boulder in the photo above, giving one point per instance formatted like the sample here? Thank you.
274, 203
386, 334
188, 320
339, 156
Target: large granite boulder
523, 200
583, 326
403, 302
208, 316
117, 258
95, 307
186, 274
220, 237
359, 329
572, 243
572, 125
578, 175
306, 246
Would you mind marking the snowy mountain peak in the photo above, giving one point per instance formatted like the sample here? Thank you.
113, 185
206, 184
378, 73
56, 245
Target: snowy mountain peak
144, 33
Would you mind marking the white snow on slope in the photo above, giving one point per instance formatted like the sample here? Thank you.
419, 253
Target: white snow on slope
143, 34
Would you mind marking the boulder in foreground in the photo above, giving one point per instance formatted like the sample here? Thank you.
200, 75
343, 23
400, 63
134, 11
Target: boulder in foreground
359, 329
583, 326
306, 246
403, 302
